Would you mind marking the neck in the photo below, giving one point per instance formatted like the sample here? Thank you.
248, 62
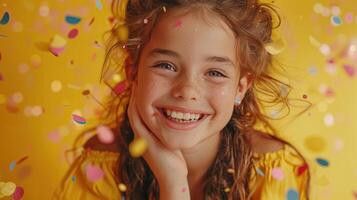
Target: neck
198, 159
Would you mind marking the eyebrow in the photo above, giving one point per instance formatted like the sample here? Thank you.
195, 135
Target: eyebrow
159, 51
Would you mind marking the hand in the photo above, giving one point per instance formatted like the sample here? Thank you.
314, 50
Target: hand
169, 167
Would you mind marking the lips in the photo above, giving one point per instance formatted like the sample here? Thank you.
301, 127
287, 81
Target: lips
163, 112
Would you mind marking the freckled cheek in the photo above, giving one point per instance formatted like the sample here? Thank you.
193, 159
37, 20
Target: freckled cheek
222, 97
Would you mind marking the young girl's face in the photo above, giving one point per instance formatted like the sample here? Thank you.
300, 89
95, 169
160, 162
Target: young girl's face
189, 65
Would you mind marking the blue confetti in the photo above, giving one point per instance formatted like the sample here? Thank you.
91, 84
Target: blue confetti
292, 194
74, 178
12, 165
5, 18
72, 19
313, 70
322, 162
99, 4
336, 20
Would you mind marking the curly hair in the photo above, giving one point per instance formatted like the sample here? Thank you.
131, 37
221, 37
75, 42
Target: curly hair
252, 23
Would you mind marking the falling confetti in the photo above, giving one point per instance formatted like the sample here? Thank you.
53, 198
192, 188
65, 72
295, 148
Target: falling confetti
260, 172
73, 33
138, 147
336, 20
57, 45
277, 173
56, 86
72, 19
18, 194
292, 194
37, 111
105, 134
94, 173
7, 189
329, 120
5, 18
322, 162
79, 119
350, 70
98, 4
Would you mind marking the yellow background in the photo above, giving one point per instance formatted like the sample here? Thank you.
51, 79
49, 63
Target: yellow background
328, 130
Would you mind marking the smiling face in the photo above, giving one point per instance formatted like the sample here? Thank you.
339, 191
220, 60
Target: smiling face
189, 65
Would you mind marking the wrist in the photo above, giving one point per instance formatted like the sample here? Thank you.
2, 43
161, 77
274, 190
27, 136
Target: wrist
177, 189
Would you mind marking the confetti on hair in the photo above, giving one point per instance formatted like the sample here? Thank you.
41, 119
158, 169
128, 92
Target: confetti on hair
259, 171
57, 45
7, 189
322, 162
122, 187
138, 147
277, 173
94, 173
146, 21
5, 18
105, 134
73, 179
292, 194
79, 119
164, 8
120, 87
98, 4
230, 170
18, 194
350, 70
72, 33
72, 19
275, 47
301, 169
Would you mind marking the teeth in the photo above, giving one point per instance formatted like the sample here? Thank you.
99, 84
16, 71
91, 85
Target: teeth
182, 116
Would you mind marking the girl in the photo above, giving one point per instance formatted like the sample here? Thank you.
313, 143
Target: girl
195, 70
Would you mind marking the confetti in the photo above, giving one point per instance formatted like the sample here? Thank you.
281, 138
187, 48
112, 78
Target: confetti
260, 172
230, 170
350, 70
73, 178
292, 194
54, 136
304, 96
178, 23
276, 47
336, 20
146, 21
322, 162
301, 169
315, 143
94, 173
57, 45
325, 49
22, 160
72, 19
98, 4
37, 111
7, 189
79, 119
313, 70
56, 86
227, 190
12, 165
277, 173
329, 120
91, 21
122, 187
5, 18
105, 134
73, 33
164, 8
138, 147
18, 194
120, 87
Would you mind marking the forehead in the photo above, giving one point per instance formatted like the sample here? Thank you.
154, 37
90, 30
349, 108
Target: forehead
194, 32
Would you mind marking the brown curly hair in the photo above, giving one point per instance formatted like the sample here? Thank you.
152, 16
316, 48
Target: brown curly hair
252, 23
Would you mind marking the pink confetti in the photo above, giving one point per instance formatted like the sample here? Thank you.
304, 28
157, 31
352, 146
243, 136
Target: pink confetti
18, 194
94, 173
120, 87
54, 136
79, 119
105, 135
178, 23
277, 173
73, 33
56, 51
350, 70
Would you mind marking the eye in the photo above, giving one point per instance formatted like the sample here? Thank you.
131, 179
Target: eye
216, 73
165, 66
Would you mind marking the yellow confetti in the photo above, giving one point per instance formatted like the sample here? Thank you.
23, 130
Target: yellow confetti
138, 147
58, 42
7, 189
227, 189
122, 187
56, 86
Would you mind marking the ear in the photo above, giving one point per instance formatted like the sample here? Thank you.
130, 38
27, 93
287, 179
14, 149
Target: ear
245, 82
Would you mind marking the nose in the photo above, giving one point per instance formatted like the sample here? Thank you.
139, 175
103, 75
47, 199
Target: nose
186, 88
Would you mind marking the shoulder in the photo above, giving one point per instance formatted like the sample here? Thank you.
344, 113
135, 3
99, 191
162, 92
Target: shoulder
262, 143
94, 143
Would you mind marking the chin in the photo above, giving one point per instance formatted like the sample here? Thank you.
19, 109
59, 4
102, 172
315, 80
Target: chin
175, 143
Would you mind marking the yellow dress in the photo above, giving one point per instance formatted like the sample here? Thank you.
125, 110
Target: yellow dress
275, 177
